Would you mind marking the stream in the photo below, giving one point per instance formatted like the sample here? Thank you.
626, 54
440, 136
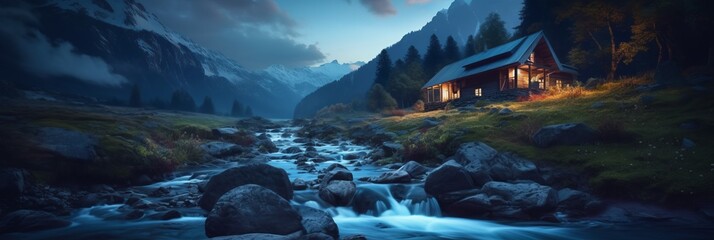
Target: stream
403, 211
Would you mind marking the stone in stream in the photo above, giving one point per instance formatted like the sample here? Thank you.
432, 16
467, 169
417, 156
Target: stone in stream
397, 176
485, 164
530, 197
448, 177
292, 150
266, 146
30, 221
252, 209
336, 172
12, 181
318, 221
414, 169
299, 184
258, 236
275, 179
338, 192
221, 149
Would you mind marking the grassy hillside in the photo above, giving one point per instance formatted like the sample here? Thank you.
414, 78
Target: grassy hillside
129, 142
640, 154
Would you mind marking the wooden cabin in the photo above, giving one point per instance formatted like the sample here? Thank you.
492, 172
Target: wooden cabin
527, 63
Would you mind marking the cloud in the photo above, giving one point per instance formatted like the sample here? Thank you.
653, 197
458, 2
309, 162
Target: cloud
411, 2
38, 56
380, 7
239, 29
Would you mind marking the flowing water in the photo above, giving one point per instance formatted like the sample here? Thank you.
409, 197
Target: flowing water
398, 211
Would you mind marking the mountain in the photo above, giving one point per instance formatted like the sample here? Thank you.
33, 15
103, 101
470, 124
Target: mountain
306, 80
460, 20
100, 49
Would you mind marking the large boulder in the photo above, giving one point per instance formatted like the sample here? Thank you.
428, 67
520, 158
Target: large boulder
508, 166
318, 221
414, 169
396, 176
12, 182
68, 143
477, 205
292, 150
564, 134
338, 192
275, 179
29, 221
530, 197
221, 149
474, 156
336, 172
266, 146
252, 209
576, 203
448, 177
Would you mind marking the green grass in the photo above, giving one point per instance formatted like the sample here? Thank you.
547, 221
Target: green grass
130, 142
650, 166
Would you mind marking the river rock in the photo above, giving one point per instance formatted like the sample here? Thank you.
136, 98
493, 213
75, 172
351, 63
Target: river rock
530, 197
258, 236
477, 205
266, 146
474, 156
576, 203
338, 192
366, 199
336, 172
448, 177
396, 176
30, 221
392, 149
224, 131
318, 221
273, 178
564, 134
508, 166
299, 184
252, 209
68, 143
292, 150
221, 149
414, 169
12, 182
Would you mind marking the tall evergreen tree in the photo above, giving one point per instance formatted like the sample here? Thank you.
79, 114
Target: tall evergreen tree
491, 33
379, 99
181, 100
384, 68
237, 109
207, 106
412, 56
469, 47
433, 57
135, 98
451, 51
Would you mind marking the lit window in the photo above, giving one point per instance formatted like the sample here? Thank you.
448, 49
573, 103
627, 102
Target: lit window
477, 92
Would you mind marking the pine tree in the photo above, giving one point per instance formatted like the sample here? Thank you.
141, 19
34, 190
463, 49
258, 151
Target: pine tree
237, 109
135, 98
451, 51
433, 57
207, 106
491, 33
384, 68
378, 99
469, 47
412, 56
181, 100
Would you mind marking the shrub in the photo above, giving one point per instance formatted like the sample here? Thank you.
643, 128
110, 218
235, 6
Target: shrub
527, 128
420, 151
418, 106
187, 149
333, 109
379, 99
611, 130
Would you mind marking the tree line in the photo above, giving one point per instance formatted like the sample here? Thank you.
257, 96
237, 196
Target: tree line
609, 38
398, 84
181, 100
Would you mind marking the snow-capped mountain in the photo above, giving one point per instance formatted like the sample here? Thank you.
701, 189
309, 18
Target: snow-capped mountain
306, 80
80, 38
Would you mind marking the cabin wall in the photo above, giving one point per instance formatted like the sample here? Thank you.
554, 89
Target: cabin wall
488, 82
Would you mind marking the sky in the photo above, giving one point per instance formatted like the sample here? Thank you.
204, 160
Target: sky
295, 33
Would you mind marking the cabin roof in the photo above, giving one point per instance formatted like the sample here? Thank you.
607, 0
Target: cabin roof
516, 51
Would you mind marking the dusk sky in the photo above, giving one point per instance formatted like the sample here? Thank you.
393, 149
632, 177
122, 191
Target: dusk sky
300, 33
